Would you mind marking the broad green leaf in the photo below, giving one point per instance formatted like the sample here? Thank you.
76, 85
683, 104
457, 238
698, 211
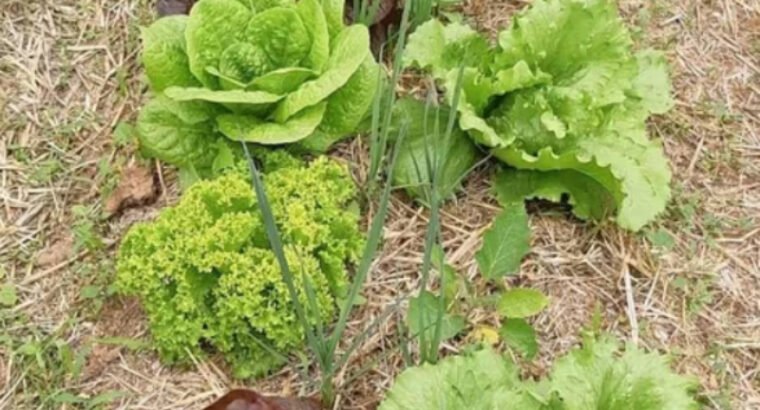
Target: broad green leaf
164, 54
521, 303
314, 20
425, 145
483, 380
597, 377
176, 132
590, 200
251, 129
346, 108
505, 243
520, 335
283, 80
423, 314
223, 97
212, 27
349, 50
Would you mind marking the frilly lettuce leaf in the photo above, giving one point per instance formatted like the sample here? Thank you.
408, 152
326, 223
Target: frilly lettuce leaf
597, 377
622, 159
562, 92
479, 381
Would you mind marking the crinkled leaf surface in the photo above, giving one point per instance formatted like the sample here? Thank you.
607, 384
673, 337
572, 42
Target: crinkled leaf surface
346, 108
164, 54
350, 49
564, 83
178, 133
622, 160
595, 377
212, 27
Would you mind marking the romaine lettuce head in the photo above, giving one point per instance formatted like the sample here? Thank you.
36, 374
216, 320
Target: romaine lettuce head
263, 71
561, 90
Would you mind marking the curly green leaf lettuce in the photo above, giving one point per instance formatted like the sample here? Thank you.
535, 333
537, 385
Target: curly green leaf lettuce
562, 91
206, 276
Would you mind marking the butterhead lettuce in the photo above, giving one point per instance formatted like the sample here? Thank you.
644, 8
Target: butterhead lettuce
268, 72
563, 92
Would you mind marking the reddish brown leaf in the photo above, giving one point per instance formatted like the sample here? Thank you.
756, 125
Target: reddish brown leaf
136, 187
242, 399
171, 7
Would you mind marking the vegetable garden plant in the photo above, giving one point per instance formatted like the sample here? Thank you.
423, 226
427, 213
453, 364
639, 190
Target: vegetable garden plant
253, 262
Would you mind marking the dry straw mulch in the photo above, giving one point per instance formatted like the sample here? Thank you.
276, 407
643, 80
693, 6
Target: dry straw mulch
68, 75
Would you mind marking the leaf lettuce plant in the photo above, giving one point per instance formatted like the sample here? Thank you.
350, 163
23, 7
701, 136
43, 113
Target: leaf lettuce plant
599, 375
207, 276
562, 92
269, 72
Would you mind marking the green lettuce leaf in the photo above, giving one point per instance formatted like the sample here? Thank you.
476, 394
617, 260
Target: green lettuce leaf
178, 133
350, 49
596, 377
164, 54
251, 129
424, 141
480, 381
269, 71
563, 93
213, 25
346, 108
589, 199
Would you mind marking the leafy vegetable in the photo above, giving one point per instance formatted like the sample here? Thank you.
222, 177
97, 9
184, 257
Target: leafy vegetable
206, 276
599, 377
562, 93
425, 145
596, 376
481, 380
505, 243
267, 72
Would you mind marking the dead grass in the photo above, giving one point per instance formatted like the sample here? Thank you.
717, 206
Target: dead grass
68, 74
